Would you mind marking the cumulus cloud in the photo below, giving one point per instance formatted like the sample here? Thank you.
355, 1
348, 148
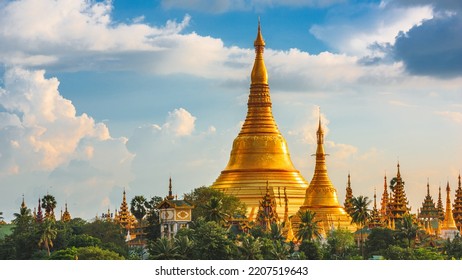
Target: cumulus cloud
40, 129
80, 35
42, 137
354, 31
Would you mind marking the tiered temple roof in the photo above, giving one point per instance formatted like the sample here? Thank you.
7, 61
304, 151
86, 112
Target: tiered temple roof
398, 203
348, 196
375, 220
267, 214
428, 210
457, 212
384, 207
124, 217
66, 216
439, 206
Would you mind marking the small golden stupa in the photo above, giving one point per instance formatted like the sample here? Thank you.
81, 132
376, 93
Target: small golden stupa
260, 153
321, 195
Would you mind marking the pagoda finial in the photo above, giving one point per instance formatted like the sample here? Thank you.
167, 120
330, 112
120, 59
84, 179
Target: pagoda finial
23, 204
320, 132
259, 74
170, 192
459, 180
375, 199
398, 175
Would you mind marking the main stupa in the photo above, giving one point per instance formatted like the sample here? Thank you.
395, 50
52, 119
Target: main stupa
260, 156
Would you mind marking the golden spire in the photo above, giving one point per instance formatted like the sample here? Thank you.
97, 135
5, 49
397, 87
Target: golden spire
259, 74
448, 222
321, 195
23, 204
259, 152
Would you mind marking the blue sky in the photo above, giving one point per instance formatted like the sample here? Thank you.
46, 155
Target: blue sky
100, 96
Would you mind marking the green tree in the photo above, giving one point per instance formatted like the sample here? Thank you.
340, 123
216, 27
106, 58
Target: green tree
112, 236
308, 228
211, 241
184, 245
152, 228
453, 249
139, 207
97, 253
48, 233
231, 206
213, 210
250, 248
340, 245
360, 215
311, 250
379, 240
49, 204
84, 240
408, 228
164, 249
280, 250
65, 254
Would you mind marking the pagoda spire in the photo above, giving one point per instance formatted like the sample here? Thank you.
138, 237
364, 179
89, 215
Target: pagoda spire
66, 216
321, 195
398, 204
39, 216
449, 227
384, 202
259, 74
375, 220
457, 212
428, 211
170, 192
439, 205
348, 196
23, 203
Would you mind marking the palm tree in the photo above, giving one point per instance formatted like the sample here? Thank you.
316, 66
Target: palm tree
49, 204
47, 234
184, 245
308, 227
164, 249
360, 215
250, 248
138, 206
214, 210
24, 213
408, 228
280, 250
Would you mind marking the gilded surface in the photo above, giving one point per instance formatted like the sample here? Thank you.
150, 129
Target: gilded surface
260, 153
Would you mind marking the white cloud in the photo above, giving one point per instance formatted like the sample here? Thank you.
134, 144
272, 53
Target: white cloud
381, 24
180, 122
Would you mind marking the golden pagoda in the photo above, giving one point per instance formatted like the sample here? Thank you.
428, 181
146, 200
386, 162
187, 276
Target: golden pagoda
428, 214
457, 212
66, 216
348, 196
384, 207
375, 220
398, 203
321, 195
449, 228
439, 206
124, 217
260, 153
